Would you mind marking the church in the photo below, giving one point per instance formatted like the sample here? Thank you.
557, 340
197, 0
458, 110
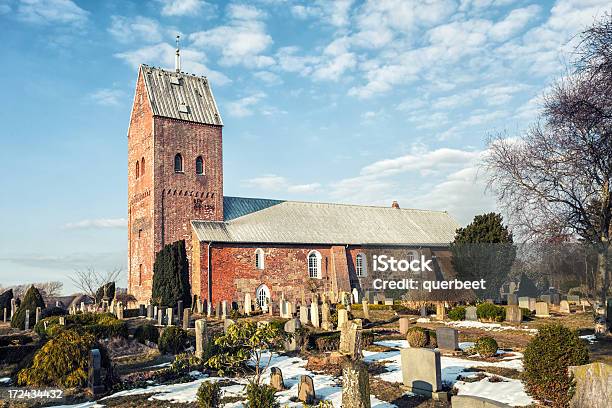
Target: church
269, 248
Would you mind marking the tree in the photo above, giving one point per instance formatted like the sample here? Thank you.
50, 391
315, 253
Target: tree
527, 287
108, 290
484, 250
555, 179
31, 301
5, 300
171, 276
88, 280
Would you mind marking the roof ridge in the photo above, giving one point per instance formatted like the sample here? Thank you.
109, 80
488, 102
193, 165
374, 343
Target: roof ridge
169, 71
340, 204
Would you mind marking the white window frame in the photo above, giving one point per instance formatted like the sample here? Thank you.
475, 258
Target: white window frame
360, 265
412, 255
316, 268
263, 301
259, 259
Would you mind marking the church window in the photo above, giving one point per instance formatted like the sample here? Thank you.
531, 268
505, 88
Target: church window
199, 165
263, 297
360, 265
142, 167
412, 255
178, 163
259, 258
140, 275
314, 264
137, 169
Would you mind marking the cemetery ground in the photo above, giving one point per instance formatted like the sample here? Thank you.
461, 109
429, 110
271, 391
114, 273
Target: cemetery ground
145, 376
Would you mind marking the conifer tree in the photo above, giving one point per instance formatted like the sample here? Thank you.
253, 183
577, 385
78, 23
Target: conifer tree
171, 276
31, 301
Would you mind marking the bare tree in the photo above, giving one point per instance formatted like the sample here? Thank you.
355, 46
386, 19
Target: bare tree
555, 179
88, 280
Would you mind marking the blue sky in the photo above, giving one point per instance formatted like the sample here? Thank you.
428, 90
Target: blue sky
346, 101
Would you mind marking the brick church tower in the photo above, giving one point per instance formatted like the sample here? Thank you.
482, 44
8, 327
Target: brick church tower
175, 167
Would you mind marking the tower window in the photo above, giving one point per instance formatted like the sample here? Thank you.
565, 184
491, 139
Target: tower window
137, 169
314, 265
178, 163
199, 165
142, 167
259, 258
140, 275
360, 262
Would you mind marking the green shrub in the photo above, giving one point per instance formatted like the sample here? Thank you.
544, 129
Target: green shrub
171, 276
491, 312
185, 363
5, 301
53, 311
31, 301
547, 357
417, 337
486, 346
62, 361
146, 332
209, 395
457, 313
433, 339
173, 340
527, 314
261, 396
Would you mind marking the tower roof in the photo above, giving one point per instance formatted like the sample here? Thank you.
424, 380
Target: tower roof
179, 95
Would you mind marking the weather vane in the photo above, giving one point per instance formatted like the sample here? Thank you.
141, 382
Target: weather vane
177, 59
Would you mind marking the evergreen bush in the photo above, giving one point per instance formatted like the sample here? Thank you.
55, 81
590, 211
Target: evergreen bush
546, 360
171, 276
110, 292
31, 301
491, 312
261, 396
486, 346
417, 337
209, 394
433, 339
5, 301
146, 332
173, 340
457, 313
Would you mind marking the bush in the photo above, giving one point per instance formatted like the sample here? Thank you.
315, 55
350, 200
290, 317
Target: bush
171, 276
261, 396
417, 337
527, 314
433, 339
491, 312
547, 357
53, 311
5, 301
173, 340
147, 332
185, 363
209, 395
457, 313
486, 346
31, 301
62, 361
101, 325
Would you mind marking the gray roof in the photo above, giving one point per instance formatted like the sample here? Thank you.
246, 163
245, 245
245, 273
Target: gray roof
179, 95
294, 222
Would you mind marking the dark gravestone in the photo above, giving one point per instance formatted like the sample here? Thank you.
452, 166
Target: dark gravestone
355, 385
448, 338
94, 379
150, 312
423, 311
141, 310
179, 306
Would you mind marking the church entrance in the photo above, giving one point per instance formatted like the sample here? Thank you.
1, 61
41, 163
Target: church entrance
263, 297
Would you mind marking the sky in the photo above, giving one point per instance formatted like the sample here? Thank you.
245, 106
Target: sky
361, 102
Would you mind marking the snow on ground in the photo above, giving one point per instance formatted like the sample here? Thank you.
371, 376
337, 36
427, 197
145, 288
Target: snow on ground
5, 380
488, 326
591, 338
509, 391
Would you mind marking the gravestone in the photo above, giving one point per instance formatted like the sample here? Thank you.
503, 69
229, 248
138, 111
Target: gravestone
13, 307
94, 378
350, 340
342, 317
150, 312
270, 305
514, 314
555, 298
448, 338
423, 311
440, 311
200, 306
470, 314
201, 331
355, 385
388, 302
291, 327
276, 379
208, 309
524, 302
5, 314
366, 309
27, 319
573, 299
564, 307
472, 401
82, 307
218, 311
160, 317
314, 314
283, 309
355, 295
169, 316
546, 298
324, 313
512, 299
593, 385
289, 310
247, 304
142, 310
224, 309
541, 309
306, 390
421, 371
120, 311
186, 318
404, 324
304, 314
179, 309
532, 304
226, 324
62, 320
38, 311
155, 312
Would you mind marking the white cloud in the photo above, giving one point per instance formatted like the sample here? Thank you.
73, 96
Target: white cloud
514, 22
135, 29
245, 106
108, 97
270, 78
244, 12
186, 7
335, 61
51, 12
304, 188
273, 182
102, 223
162, 54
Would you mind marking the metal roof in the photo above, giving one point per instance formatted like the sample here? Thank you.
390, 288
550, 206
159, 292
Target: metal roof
179, 95
295, 222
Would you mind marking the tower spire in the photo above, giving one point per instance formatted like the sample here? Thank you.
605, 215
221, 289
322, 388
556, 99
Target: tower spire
177, 58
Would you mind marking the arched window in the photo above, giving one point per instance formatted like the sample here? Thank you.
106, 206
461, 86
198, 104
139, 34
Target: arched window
140, 275
178, 163
360, 265
259, 258
412, 255
199, 165
314, 264
263, 297
137, 169
142, 167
